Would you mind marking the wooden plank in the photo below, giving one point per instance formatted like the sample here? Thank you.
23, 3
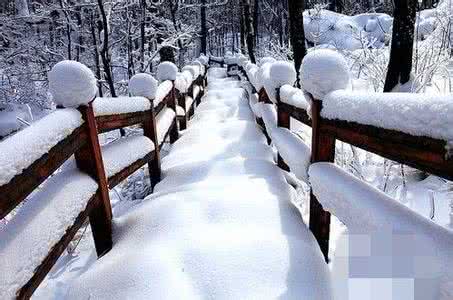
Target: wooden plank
14, 192
150, 131
126, 172
322, 149
171, 103
297, 113
114, 122
283, 120
89, 160
49, 261
422, 153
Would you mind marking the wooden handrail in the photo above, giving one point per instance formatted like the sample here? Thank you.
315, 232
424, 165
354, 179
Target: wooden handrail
420, 152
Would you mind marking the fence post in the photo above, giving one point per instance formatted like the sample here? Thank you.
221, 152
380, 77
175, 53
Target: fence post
89, 159
182, 102
322, 149
150, 131
174, 132
263, 98
283, 120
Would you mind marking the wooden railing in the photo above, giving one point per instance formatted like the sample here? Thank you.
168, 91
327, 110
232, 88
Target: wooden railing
84, 144
420, 152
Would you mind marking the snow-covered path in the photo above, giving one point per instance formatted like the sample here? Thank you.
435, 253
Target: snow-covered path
220, 224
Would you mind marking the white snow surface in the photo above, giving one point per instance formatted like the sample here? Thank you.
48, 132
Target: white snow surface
38, 226
416, 114
19, 151
120, 105
164, 119
294, 96
72, 84
183, 81
123, 152
167, 71
162, 91
294, 151
143, 85
385, 240
220, 225
281, 73
323, 71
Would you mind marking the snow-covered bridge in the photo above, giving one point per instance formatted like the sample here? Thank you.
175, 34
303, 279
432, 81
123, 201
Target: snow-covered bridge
223, 220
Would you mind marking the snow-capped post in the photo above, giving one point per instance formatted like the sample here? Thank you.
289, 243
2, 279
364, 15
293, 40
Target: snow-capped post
282, 73
168, 71
144, 85
72, 84
322, 71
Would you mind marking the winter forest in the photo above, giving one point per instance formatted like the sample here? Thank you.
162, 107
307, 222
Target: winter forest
226, 149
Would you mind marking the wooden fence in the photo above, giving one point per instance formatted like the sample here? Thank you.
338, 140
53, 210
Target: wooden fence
422, 153
84, 144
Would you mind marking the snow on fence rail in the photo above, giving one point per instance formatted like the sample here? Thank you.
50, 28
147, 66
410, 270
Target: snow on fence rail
410, 129
37, 233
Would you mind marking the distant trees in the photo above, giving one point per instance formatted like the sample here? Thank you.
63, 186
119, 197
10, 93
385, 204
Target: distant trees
249, 33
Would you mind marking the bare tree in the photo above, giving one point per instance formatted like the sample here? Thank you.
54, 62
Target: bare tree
250, 36
297, 36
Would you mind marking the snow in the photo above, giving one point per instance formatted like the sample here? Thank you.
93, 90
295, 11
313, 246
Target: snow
323, 71
162, 91
200, 230
269, 115
143, 85
183, 81
9, 117
123, 152
294, 96
293, 150
266, 60
204, 59
164, 120
38, 226
19, 151
416, 114
194, 70
281, 73
120, 105
189, 102
167, 71
263, 76
180, 111
385, 240
72, 84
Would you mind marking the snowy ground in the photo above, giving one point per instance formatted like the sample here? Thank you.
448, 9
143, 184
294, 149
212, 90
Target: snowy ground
220, 225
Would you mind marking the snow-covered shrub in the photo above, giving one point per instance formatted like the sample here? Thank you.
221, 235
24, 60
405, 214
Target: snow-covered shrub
266, 60
167, 71
72, 84
143, 85
323, 71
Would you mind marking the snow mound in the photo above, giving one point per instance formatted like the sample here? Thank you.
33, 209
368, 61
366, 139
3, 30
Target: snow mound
294, 96
19, 151
183, 81
204, 59
162, 91
164, 120
281, 73
323, 71
143, 85
38, 226
72, 84
293, 150
121, 105
266, 60
385, 240
416, 114
123, 152
167, 71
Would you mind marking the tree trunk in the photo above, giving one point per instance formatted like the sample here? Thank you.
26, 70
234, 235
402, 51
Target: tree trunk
242, 28
250, 36
204, 28
400, 63
255, 20
297, 36
105, 56
96, 54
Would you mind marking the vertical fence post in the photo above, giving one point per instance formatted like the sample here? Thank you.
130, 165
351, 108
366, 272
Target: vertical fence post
263, 98
150, 131
174, 132
182, 102
322, 149
283, 120
89, 159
